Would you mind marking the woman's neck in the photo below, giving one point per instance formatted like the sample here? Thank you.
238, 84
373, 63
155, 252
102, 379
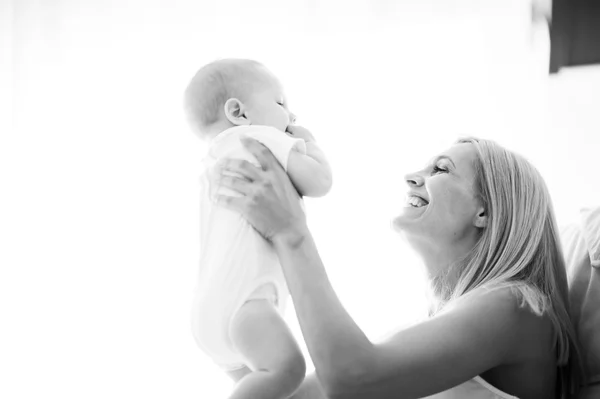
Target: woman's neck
443, 265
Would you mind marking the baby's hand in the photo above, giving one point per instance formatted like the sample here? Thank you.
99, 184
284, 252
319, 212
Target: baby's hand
300, 132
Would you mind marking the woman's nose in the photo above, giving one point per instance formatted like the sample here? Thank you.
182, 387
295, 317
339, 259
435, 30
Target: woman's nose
414, 179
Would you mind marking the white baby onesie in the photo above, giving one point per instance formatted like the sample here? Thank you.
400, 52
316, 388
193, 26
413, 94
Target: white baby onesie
236, 263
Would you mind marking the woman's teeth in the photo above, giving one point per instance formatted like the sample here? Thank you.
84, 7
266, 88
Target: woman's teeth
416, 202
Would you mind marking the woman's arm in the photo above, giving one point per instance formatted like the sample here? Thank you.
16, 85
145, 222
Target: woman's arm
338, 347
310, 389
475, 336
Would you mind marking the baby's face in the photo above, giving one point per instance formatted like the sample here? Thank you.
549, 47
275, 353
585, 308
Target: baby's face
268, 106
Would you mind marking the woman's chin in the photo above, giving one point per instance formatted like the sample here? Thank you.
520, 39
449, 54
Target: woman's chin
401, 223
407, 217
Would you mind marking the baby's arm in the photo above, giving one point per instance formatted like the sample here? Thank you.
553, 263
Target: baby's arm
310, 172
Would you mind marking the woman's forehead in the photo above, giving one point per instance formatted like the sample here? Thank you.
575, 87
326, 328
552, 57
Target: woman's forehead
461, 154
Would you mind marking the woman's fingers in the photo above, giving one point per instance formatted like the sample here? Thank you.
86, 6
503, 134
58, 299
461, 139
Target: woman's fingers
233, 203
268, 199
265, 158
236, 184
240, 166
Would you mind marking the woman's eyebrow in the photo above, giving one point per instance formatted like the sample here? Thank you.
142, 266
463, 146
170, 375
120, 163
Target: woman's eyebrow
439, 157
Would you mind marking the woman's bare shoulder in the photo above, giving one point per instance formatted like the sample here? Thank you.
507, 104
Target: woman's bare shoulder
502, 300
477, 333
530, 333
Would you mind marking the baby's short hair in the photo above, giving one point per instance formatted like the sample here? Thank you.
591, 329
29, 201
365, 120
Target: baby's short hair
213, 85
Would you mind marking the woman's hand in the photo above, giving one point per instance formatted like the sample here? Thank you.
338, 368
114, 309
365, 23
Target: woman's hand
268, 200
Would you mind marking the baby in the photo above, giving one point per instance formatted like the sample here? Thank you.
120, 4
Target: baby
241, 294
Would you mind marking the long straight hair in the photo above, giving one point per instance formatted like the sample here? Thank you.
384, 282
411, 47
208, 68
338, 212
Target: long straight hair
519, 249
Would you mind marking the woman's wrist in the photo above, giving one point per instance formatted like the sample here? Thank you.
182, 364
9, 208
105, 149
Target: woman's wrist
292, 236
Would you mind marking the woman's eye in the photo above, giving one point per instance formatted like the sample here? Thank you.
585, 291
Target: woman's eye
437, 169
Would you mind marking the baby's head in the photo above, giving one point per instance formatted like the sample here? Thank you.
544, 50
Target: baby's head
235, 92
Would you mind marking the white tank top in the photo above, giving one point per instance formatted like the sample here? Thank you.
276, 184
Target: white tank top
477, 388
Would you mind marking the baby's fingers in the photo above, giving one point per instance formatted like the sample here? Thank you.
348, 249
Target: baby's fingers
300, 132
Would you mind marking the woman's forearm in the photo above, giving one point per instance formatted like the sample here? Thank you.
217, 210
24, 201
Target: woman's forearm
310, 389
338, 347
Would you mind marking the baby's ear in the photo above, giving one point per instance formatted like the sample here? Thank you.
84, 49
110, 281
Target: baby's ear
235, 112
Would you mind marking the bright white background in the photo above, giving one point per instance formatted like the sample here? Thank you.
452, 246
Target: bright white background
99, 173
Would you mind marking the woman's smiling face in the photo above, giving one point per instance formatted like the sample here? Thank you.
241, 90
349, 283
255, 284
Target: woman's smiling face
442, 205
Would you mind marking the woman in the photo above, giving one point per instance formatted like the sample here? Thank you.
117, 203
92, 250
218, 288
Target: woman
481, 218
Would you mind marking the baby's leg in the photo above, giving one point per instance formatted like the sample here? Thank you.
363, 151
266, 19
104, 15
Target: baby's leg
273, 355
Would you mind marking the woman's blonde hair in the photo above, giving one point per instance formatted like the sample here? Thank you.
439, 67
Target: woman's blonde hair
520, 249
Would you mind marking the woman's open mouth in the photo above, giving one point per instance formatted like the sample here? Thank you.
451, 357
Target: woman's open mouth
416, 201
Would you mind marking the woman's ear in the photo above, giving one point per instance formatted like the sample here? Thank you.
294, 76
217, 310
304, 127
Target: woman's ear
481, 218
235, 112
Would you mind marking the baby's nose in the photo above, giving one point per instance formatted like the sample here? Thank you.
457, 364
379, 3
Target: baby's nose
292, 118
